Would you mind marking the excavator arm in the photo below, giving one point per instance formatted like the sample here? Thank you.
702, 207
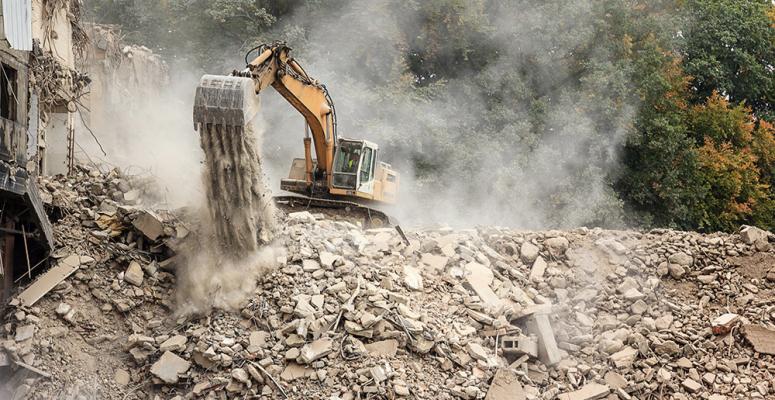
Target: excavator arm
232, 100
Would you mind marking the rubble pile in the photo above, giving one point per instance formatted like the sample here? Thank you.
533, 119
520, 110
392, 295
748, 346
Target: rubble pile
487, 313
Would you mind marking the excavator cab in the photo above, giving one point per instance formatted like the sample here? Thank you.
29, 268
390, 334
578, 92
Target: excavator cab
357, 172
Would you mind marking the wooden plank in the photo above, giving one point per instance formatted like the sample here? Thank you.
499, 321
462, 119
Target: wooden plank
49, 280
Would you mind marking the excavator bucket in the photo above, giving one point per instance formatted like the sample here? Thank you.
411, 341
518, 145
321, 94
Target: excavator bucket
225, 100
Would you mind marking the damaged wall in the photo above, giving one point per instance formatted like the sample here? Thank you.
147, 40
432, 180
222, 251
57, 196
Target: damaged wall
122, 76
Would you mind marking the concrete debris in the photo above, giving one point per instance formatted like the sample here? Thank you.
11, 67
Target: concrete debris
134, 274
352, 313
762, 339
505, 386
149, 224
169, 367
51, 278
590, 391
724, 323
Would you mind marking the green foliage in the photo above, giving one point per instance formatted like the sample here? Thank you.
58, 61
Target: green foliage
730, 48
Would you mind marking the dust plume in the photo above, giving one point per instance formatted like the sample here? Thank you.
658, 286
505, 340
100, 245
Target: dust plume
523, 138
232, 248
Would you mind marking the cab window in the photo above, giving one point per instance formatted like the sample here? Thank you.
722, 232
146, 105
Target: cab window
367, 170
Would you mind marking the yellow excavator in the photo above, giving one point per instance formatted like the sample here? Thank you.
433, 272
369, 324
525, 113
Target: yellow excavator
344, 174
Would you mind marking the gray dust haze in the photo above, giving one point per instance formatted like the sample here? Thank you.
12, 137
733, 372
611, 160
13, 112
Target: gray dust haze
555, 175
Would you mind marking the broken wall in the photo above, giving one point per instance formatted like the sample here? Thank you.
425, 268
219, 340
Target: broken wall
123, 79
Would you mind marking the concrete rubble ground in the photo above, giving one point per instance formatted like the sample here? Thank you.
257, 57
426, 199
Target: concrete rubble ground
487, 313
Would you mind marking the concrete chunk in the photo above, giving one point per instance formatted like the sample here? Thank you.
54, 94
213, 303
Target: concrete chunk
315, 350
175, 343
590, 391
538, 270
134, 274
762, 339
169, 366
505, 386
548, 352
149, 224
386, 348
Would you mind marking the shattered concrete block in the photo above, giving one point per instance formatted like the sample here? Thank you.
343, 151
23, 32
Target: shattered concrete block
134, 274
169, 366
505, 386
548, 352
518, 345
762, 339
315, 350
149, 224
590, 391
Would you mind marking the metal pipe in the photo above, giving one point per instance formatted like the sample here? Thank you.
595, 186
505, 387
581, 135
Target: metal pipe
261, 58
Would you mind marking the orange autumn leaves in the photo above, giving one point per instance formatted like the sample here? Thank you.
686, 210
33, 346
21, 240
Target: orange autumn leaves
735, 160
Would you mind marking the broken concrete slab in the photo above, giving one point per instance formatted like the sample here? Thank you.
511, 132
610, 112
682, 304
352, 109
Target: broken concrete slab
590, 391
479, 278
169, 367
762, 339
384, 348
149, 224
625, 357
505, 386
51, 278
548, 352
315, 350
295, 371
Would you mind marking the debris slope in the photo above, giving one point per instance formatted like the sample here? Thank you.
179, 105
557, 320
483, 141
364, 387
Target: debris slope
487, 313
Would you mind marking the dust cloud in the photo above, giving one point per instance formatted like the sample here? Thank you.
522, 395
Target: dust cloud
232, 248
477, 165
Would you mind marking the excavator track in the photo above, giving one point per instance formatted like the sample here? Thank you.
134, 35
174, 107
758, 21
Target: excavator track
370, 217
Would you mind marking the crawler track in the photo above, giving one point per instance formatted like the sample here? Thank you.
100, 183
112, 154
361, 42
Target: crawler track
340, 209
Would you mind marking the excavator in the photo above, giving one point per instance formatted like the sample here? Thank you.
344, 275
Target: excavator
344, 173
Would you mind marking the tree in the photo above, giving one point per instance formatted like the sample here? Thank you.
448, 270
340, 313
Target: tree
730, 48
